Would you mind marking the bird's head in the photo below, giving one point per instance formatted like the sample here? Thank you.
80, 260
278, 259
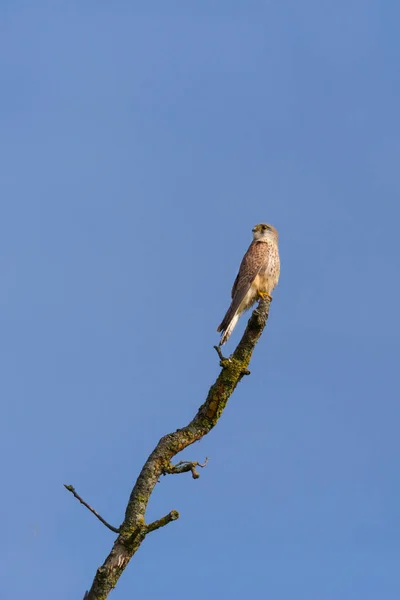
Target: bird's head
263, 232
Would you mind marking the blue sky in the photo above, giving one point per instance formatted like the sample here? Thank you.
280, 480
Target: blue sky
140, 143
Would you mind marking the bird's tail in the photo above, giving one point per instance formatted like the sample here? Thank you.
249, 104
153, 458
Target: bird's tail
228, 325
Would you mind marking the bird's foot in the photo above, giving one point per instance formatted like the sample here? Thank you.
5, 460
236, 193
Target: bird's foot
265, 296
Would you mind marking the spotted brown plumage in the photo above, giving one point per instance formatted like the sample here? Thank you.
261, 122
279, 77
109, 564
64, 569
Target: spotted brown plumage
258, 275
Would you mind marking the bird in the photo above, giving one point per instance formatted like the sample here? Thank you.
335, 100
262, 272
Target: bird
258, 275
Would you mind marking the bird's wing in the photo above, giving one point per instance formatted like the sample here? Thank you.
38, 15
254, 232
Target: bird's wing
255, 257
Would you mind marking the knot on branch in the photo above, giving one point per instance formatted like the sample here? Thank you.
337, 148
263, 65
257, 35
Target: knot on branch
133, 539
243, 373
184, 466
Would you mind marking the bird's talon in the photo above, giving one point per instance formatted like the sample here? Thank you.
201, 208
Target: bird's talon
265, 296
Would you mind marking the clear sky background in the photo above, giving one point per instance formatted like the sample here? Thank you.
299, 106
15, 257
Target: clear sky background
140, 143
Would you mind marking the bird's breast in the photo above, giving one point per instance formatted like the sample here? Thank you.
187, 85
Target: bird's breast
269, 274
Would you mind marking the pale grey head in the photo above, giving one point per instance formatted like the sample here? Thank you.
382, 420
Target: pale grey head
263, 232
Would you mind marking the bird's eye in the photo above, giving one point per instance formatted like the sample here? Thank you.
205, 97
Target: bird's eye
264, 227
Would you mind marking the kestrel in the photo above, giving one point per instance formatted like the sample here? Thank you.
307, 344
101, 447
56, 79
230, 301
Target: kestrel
257, 277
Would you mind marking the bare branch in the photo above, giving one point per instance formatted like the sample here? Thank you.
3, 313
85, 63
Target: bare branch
172, 516
133, 529
72, 490
184, 466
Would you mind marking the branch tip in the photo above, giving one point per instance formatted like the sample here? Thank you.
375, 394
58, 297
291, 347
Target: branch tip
71, 489
171, 516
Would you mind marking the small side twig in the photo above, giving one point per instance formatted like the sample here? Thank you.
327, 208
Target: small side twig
71, 489
172, 516
184, 466
223, 361
219, 352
